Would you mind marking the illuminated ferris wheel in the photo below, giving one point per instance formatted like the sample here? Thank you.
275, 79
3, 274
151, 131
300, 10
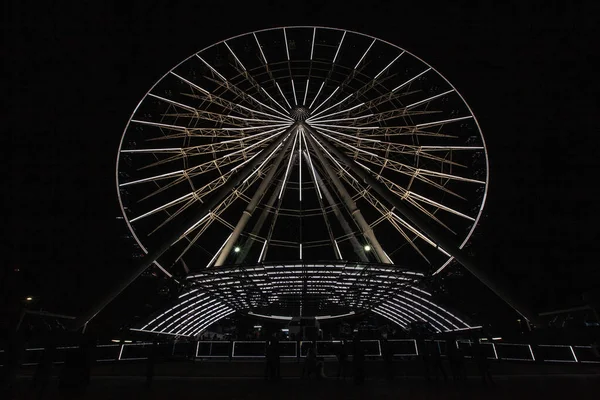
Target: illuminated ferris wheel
296, 145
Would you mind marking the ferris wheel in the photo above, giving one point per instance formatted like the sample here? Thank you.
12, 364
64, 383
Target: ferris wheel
274, 129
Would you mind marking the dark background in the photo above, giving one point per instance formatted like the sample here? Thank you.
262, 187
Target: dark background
75, 73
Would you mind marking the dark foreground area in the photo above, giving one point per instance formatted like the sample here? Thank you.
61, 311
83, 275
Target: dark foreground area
505, 387
244, 379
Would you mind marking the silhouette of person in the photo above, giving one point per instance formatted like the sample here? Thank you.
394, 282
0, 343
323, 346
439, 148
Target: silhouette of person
342, 357
358, 361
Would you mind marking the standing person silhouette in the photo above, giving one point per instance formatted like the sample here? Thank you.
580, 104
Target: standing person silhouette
342, 357
358, 361
151, 363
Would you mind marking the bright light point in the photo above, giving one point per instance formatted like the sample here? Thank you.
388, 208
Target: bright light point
367, 248
237, 249
29, 298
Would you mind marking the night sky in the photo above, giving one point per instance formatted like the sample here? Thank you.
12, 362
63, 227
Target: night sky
75, 74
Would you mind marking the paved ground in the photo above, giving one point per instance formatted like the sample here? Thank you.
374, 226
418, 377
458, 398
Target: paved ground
243, 380
507, 387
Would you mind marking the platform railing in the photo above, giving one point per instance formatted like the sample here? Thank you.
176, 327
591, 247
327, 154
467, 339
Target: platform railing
290, 350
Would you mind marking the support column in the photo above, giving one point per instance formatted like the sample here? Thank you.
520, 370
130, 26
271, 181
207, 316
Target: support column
365, 228
342, 220
203, 209
441, 240
247, 214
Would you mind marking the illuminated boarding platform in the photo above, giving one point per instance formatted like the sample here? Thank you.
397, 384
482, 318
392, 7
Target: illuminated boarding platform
325, 290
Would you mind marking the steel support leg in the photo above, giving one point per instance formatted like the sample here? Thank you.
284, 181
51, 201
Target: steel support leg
441, 240
204, 208
365, 228
247, 214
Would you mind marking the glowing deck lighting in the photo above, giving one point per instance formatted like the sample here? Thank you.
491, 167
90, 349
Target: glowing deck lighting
367, 248
573, 352
29, 298
339, 47
305, 92
237, 249
364, 55
531, 351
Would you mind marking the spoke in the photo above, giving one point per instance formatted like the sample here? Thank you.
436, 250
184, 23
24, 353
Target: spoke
287, 51
261, 50
438, 123
318, 92
389, 65
326, 100
282, 95
229, 105
234, 56
312, 46
412, 150
305, 92
300, 164
338, 50
273, 100
237, 91
410, 80
398, 166
287, 170
164, 206
312, 168
294, 91
419, 234
199, 150
429, 99
337, 112
365, 54
329, 108
154, 178
175, 103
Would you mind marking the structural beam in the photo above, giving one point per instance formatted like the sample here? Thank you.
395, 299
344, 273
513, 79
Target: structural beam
247, 214
365, 228
447, 244
234, 181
